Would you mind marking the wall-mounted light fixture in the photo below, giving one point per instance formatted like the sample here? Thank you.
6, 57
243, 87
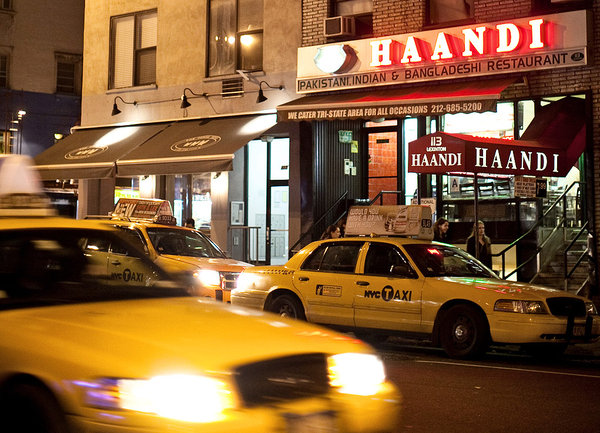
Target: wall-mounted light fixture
261, 96
115, 109
184, 100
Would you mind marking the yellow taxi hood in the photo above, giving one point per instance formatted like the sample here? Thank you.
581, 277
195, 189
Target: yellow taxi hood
171, 262
509, 288
152, 336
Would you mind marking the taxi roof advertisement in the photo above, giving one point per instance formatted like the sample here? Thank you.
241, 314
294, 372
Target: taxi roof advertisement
401, 220
517, 45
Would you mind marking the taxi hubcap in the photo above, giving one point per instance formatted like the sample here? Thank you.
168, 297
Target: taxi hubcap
461, 332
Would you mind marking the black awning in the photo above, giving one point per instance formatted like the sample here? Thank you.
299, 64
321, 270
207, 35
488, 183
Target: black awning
425, 100
91, 153
194, 146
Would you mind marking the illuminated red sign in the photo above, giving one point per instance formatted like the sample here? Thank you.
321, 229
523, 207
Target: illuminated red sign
504, 38
522, 44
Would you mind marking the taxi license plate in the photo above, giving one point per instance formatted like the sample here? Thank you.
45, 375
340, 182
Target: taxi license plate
578, 331
321, 422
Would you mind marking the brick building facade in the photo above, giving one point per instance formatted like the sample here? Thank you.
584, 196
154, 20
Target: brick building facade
394, 18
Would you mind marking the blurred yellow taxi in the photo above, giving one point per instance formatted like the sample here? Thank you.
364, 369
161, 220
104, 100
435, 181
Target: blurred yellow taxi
178, 250
81, 351
384, 285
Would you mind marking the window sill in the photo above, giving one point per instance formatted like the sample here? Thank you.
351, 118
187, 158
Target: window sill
232, 76
132, 89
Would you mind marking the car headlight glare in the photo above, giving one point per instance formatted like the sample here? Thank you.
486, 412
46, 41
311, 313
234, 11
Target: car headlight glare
590, 309
180, 397
356, 373
208, 277
519, 306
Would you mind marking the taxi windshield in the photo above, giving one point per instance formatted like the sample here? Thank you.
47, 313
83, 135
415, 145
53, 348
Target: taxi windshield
180, 242
446, 261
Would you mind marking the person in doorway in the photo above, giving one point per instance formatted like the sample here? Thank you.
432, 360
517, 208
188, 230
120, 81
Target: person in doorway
482, 242
342, 226
440, 230
190, 223
331, 232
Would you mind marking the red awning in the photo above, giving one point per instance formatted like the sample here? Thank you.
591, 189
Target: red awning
425, 100
550, 147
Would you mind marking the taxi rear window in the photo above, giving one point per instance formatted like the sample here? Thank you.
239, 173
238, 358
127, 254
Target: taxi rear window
334, 257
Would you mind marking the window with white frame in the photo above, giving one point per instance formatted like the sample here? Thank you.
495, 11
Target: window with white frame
442, 11
235, 36
133, 49
3, 71
68, 79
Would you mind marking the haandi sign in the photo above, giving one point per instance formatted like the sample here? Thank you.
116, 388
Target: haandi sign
525, 44
441, 153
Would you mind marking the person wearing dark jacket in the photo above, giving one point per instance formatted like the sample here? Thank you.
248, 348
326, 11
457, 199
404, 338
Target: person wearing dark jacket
483, 242
440, 230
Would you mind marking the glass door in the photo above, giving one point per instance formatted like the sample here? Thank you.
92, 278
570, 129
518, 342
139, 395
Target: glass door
268, 200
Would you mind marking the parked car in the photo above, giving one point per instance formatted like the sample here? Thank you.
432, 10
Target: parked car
381, 285
179, 250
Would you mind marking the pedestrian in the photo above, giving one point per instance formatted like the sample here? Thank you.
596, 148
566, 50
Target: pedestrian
190, 223
331, 232
479, 238
342, 226
440, 230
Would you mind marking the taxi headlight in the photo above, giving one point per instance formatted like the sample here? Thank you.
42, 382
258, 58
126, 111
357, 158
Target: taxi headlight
518, 306
208, 277
356, 373
590, 308
180, 397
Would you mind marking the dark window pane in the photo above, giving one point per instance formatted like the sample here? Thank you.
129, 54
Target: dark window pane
341, 257
386, 260
313, 263
145, 66
222, 36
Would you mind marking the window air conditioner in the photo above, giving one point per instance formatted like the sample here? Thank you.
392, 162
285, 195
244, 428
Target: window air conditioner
339, 26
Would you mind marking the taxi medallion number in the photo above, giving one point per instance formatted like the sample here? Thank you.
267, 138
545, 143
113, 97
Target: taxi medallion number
320, 422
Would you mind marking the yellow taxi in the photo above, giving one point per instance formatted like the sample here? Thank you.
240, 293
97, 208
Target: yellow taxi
179, 250
81, 351
384, 285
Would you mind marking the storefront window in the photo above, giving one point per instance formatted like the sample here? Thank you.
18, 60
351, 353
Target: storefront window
201, 201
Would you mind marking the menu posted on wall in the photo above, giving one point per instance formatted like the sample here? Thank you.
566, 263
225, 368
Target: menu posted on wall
401, 220
525, 186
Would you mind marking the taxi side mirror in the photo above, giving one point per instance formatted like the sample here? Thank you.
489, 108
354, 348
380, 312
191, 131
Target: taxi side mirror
403, 270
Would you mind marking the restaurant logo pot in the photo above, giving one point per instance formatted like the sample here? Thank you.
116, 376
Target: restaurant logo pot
86, 152
195, 143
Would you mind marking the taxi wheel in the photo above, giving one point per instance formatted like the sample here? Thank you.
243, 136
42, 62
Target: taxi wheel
287, 306
28, 408
464, 332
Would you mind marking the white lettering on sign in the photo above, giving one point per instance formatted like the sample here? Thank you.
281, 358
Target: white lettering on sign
508, 39
515, 160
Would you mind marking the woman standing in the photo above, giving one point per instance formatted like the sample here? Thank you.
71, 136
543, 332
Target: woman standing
479, 238
332, 232
440, 230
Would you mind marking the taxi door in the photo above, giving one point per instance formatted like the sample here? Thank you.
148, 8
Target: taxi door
124, 266
326, 281
391, 291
